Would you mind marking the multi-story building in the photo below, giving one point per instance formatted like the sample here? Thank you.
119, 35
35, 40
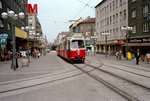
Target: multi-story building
139, 19
60, 36
6, 24
111, 15
73, 28
36, 36
87, 28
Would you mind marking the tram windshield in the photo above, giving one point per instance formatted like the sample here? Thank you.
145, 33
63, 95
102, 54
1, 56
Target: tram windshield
77, 44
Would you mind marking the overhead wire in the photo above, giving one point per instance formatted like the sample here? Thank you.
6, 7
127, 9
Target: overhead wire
86, 4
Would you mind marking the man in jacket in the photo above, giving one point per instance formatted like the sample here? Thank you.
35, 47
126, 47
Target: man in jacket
137, 56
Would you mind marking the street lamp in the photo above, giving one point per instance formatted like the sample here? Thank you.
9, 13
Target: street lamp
28, 29
127, 29
105, 34
13, 17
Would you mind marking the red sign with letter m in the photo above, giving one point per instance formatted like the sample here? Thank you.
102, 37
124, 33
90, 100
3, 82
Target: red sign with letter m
32, 10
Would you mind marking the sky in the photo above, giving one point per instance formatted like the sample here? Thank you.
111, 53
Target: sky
54, 15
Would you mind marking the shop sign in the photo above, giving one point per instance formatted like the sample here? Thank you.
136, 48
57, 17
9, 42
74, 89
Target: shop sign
32, 10
3, 41
4, 35
141, 40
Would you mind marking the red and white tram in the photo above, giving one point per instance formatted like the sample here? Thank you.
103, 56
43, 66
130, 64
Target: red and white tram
72, 48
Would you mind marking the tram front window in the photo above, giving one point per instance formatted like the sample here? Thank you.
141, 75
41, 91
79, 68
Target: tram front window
77, 44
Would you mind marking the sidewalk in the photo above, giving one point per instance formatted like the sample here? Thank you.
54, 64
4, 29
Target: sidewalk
46, 64
131, 62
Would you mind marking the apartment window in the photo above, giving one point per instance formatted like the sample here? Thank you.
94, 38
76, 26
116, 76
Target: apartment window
107, 8
120, 2
134, 29
117, 18
113, 5
145, 10
14, 2
1, 23
8, 9
113, 19
110, 31
125, 15
120, 16
107, 21
110, 7
110, 20
133, 0
113, 31
117, 30
145, 27
133, 13
8, 26
1, 4
116, 3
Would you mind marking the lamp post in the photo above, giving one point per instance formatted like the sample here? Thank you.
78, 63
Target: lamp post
28, 29
127, 29
105, 34
13, 17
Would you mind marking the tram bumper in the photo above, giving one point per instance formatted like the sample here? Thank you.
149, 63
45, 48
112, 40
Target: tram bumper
78, 58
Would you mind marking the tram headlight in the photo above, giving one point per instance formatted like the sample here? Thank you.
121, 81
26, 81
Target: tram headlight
72, 57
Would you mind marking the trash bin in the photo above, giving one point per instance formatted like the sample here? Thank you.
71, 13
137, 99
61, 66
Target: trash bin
25, 62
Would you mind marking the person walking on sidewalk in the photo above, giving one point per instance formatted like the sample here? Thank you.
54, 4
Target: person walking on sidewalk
5, 56
137, 56
120, 54
17, 54
117, 55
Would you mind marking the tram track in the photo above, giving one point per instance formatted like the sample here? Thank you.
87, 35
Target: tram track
56, 79
114, 67
124, 66
115, 89
113, 74
147, 88
110, 86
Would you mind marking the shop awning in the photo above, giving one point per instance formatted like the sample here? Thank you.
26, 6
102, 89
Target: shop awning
42, 46
20, 33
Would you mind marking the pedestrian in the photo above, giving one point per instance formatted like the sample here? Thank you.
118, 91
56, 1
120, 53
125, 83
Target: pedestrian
137, 56
120, 54
17, 66
34, 54
16, 57
117, 55
5, 56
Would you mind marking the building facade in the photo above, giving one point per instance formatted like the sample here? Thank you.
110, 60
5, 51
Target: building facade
36, 36
87, 28
6, 24
139, 19
111, 15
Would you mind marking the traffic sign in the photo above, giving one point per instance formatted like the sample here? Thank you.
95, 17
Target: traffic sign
4, 35
3, 41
